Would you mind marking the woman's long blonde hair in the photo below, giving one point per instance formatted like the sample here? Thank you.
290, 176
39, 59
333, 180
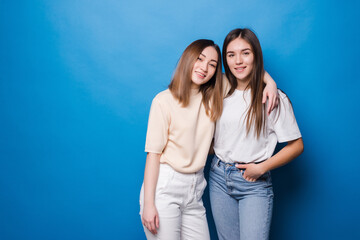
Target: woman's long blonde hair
180, 85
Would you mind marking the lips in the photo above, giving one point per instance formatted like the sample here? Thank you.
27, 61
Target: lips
200, 75
240, 69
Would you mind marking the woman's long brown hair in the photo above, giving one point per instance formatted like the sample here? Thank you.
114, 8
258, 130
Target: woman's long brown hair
180, 85
256, 112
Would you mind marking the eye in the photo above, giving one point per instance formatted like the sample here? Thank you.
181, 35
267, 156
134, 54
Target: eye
199, 58
212, 65
246, 53
230, 55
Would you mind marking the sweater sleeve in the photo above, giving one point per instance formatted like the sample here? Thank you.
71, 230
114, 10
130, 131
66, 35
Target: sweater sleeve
158, 127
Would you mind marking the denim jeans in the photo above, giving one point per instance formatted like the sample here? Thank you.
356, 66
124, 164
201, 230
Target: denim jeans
241, 209
178, 199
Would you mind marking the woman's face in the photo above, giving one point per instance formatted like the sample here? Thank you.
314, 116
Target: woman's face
240, 59
204, 67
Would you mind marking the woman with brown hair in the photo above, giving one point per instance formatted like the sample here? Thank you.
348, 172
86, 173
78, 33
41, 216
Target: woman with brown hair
240, 185
180, 130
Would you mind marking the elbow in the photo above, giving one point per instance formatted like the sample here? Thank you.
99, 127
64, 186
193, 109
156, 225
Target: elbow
301, 150
300, 146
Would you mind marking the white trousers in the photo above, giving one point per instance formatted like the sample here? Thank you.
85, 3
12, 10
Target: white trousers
178, 199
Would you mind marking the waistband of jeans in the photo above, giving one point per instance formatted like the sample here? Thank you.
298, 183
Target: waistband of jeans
219, 161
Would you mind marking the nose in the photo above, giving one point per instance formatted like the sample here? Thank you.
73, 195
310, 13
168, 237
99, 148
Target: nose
204, 66
238, 59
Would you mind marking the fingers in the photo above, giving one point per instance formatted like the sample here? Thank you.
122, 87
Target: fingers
273, 103
270, 105
268, 110
247, 178
264, 98
276, 101
241, 166
152, 224
157, 221
153, 228
244, 167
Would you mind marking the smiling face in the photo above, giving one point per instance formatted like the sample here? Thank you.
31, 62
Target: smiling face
240, 59
204, 67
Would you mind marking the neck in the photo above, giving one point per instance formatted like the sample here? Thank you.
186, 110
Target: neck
242, 84
194, 91
194, 86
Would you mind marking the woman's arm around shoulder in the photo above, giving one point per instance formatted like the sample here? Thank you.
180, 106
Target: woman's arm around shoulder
271, 92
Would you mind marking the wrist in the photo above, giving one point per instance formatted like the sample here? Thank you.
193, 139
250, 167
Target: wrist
264, 168
271, 83
149, 203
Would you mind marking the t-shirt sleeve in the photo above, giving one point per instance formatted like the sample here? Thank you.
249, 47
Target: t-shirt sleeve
158, 127
283, 121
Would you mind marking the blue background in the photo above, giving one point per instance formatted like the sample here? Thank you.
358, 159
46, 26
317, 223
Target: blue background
77, 79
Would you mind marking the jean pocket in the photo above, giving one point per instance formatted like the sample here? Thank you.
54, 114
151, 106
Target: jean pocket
263, 178
266, 177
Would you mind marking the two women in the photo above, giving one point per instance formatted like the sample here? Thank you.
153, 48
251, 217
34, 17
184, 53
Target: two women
180, 130
240, 185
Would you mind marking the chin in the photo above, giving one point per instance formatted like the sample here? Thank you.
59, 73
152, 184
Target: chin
239, 77
199, 82
242, 76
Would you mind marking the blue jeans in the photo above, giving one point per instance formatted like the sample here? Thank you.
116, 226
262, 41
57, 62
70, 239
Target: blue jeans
241, 209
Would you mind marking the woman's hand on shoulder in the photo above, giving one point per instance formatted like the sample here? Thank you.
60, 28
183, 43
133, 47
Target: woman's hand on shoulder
150, 218
270, 92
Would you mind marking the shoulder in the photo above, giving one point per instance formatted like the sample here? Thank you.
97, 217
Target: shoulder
163, 100
163, 96
282, 95
284, 104
284, 99
284, 107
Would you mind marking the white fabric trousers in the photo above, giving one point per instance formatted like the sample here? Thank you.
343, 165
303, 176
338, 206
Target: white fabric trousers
178, 199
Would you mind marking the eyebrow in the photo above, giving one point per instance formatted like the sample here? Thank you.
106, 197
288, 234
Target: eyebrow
245, 49
210, 60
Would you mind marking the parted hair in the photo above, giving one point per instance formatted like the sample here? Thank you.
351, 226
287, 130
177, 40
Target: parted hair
180, 85
256, 113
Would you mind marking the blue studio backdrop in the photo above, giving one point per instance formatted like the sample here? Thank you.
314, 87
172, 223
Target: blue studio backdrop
76, 83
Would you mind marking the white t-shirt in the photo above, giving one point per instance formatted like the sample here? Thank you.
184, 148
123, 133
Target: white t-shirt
233, 144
